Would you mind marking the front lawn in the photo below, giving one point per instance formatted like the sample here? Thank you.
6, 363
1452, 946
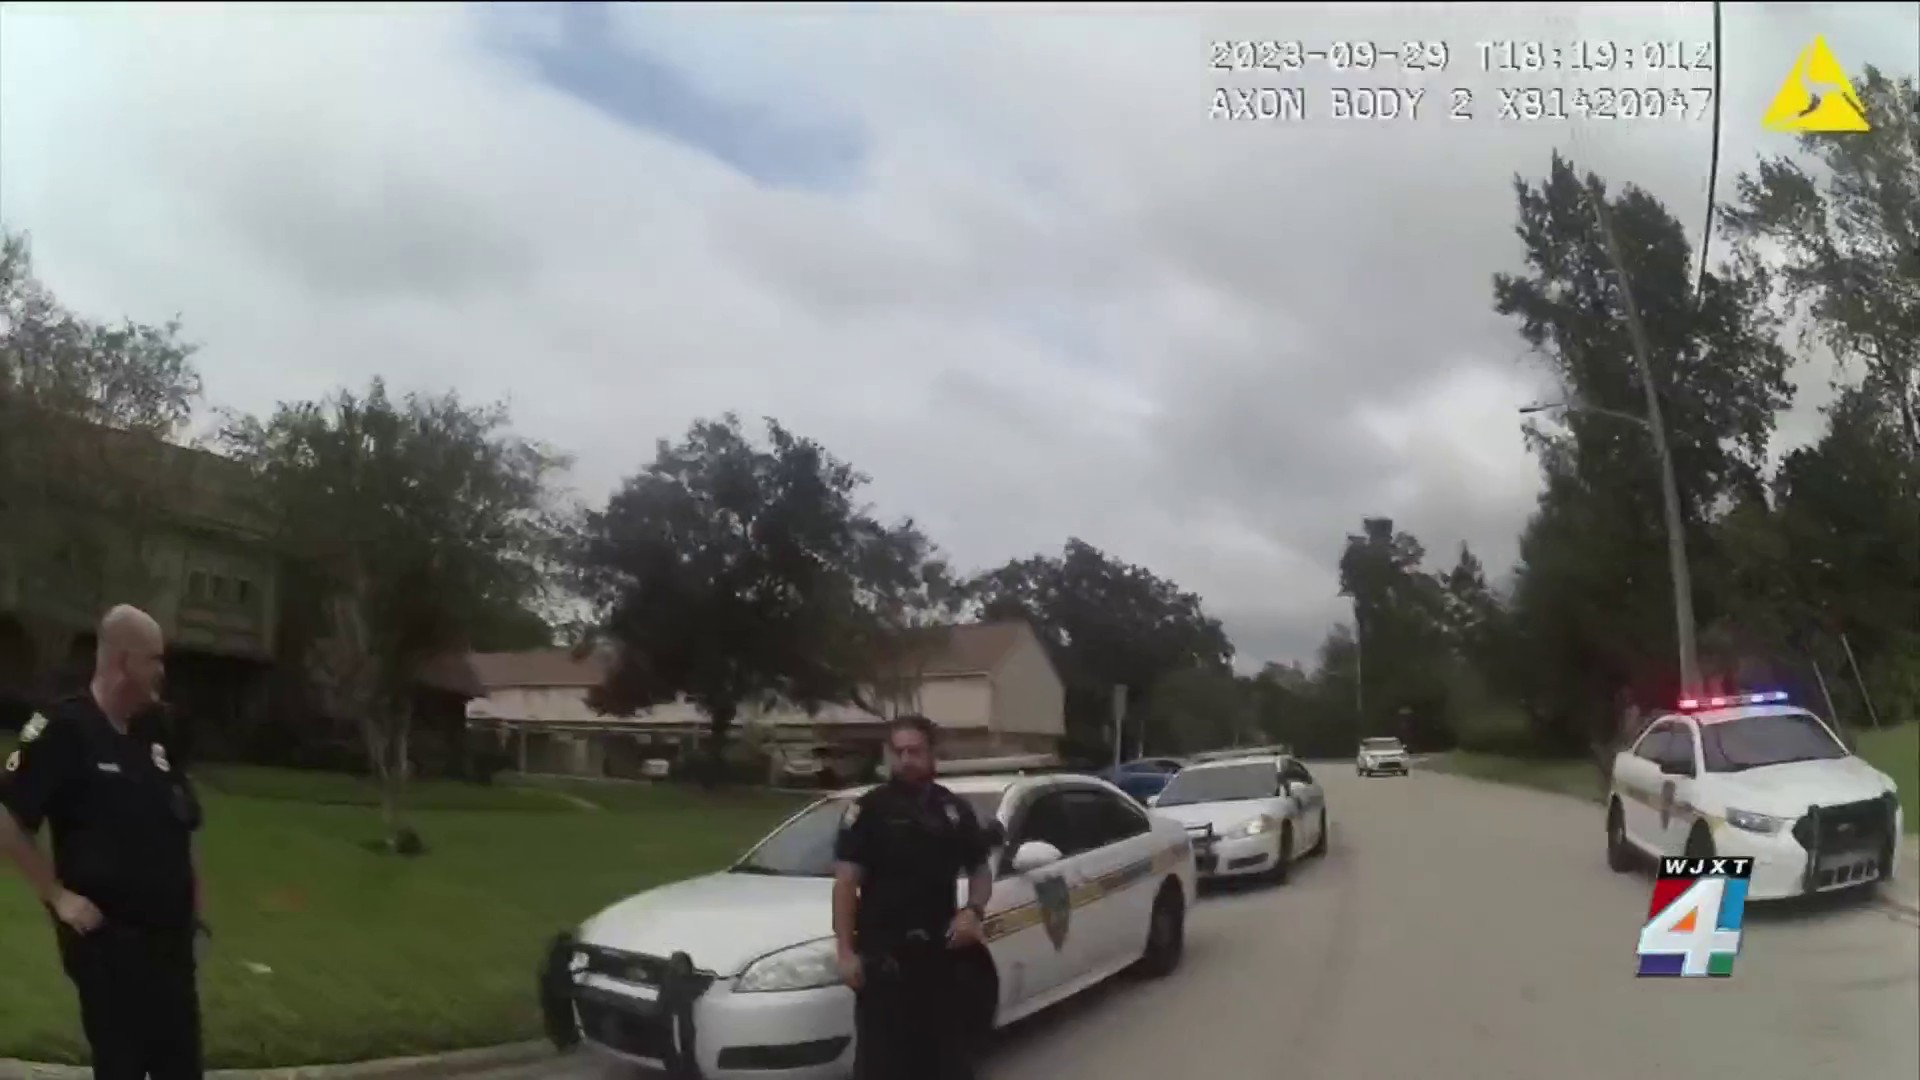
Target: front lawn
1896, 752
327, 952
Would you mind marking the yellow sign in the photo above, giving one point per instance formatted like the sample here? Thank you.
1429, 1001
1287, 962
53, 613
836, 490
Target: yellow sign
1816, 96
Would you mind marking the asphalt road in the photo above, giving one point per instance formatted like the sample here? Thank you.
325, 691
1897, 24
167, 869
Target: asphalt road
1458, 930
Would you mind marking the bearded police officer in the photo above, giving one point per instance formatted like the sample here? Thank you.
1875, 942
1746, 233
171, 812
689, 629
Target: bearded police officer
902, 945
121, 885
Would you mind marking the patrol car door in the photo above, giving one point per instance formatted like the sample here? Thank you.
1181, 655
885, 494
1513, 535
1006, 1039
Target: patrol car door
1117, 892
1034, 945
1307, 798
1637, 779
1675, 811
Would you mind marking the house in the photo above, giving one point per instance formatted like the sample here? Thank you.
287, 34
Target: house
990, 687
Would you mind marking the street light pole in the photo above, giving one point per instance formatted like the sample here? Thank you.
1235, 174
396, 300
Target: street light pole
1656, 427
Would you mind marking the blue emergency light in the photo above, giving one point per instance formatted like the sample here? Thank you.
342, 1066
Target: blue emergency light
1768, 697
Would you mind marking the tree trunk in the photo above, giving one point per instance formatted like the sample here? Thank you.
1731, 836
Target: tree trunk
722, 724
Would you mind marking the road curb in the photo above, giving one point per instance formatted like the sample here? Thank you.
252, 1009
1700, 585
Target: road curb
452, 1063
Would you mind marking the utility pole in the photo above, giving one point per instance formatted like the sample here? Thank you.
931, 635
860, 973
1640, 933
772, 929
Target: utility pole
1669, 489
1119, 721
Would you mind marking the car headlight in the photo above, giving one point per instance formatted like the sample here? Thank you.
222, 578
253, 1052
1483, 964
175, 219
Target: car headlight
1765, 824
802, 967
1255, 827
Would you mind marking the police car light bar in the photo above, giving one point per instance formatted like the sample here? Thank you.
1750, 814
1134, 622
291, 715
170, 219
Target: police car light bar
1734, 701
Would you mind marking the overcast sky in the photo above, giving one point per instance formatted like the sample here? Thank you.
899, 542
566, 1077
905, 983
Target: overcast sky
1002, 260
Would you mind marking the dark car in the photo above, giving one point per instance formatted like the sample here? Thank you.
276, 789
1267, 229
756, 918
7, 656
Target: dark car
1142, 778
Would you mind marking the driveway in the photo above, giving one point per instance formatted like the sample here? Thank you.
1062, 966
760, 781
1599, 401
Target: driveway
1459, 930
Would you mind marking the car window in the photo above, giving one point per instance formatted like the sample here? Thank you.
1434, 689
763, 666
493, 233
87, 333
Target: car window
1653, 744
1679, 748
985, 804
1254, 780
1296, 772
1753, 741
1049, 818
802, 847
1380, 744
1106, 819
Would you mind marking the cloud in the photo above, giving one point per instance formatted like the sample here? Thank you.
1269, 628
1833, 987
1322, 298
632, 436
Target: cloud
1003, 260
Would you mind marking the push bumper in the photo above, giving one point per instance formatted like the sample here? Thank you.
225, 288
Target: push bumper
1214, 857
1783, 867
714, 1034
1385, 765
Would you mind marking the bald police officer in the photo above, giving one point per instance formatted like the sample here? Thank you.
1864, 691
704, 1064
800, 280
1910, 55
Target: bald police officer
902, 847
121, 886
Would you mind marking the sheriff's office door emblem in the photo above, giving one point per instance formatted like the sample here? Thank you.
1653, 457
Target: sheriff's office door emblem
160, 758
35, 726
1056, 908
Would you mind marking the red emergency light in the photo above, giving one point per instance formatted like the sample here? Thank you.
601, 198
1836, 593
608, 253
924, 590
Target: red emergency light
1734, 701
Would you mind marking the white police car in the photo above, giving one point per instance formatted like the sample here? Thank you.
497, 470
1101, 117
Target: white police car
732, 975
1754, 775
1255, 814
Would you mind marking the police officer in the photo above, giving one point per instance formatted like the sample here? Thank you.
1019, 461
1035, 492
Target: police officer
902, 945
121, 886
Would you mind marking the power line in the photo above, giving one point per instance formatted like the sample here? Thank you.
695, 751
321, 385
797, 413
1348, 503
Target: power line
1713, 162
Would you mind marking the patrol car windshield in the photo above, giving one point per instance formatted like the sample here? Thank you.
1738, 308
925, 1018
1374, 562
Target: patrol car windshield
1380, 744
1256, 780
1753, 741
803, 847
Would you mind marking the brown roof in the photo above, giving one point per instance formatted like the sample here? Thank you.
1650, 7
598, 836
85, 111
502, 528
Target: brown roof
538, 667
972, 648
967, 649
452, 673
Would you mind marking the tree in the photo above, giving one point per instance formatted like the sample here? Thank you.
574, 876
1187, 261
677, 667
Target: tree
1196, 709
1106, 623
910, 598
1592, 600
1848, 242
415, 520
87, 414
1403, 648
733, 575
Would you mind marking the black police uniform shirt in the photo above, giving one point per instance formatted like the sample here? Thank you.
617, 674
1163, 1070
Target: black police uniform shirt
121, 811
911, 846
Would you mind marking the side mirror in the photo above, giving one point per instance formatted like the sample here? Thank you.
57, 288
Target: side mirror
1033, 855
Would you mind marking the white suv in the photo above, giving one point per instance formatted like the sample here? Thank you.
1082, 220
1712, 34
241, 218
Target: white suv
1380, 756
1753, 775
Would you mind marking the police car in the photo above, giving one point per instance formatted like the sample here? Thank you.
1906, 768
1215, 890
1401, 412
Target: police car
1754, 775
1252, 814
1383, 755
733, 974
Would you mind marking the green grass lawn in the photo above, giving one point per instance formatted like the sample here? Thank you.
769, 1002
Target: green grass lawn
372, 955
1894, 751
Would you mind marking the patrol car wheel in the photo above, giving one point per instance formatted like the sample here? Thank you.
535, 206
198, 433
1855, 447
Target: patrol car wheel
1619, 858
1166, 932
1699, 843
1283, 858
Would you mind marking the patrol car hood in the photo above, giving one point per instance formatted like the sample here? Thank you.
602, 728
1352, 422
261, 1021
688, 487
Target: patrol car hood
1787, 790
1223, 816
722, 921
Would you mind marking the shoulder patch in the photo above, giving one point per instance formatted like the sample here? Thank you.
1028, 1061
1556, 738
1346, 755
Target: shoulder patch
852, 815
35, 725
13, 761
160, 758
953, 813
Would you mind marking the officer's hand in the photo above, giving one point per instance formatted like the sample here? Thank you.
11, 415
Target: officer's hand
852, 972
76, 911
965, 930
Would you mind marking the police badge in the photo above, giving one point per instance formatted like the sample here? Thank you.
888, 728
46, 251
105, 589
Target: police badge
35, 725
1056, 908
160, 758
